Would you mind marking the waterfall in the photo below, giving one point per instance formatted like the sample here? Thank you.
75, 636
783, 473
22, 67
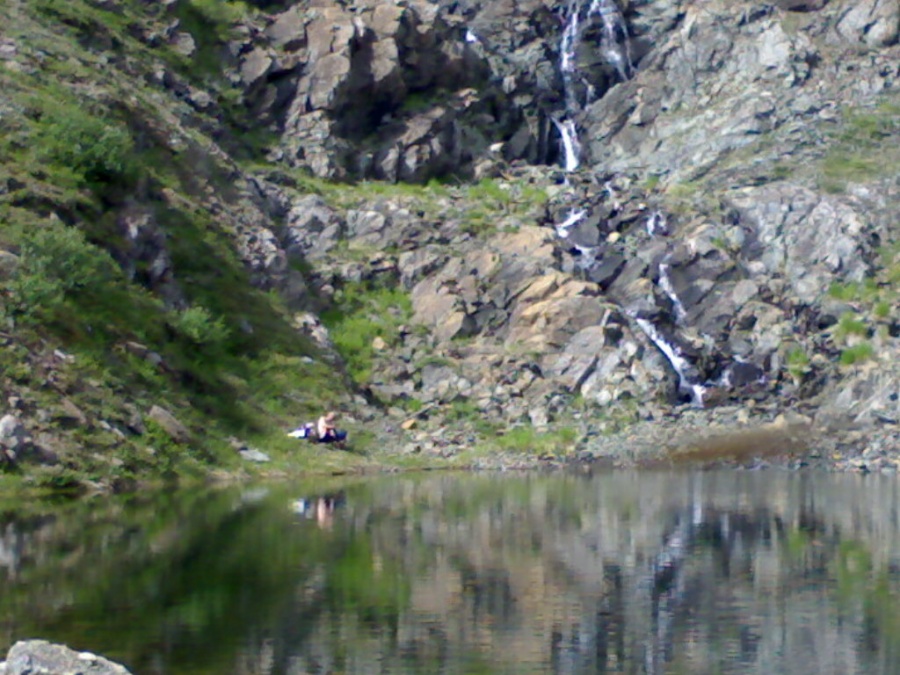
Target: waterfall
570, 142
665, 283
615, 47
680, 365
562, 229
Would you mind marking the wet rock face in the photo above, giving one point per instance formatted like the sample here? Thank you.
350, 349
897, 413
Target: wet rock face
408, 92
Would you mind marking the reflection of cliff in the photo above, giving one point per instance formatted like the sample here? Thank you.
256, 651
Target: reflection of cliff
627, 573
648, 574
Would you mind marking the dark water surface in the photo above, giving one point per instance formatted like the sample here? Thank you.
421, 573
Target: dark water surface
694, 573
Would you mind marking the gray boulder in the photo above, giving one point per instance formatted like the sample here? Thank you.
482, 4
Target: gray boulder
39, 657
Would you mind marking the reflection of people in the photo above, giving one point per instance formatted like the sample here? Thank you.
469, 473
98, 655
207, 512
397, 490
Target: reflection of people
321, 508
327, 432
324, 511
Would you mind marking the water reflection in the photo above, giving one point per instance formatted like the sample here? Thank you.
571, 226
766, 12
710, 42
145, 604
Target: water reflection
731, 572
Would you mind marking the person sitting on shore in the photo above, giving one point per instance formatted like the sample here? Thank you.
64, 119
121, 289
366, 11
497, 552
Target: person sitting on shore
327, 432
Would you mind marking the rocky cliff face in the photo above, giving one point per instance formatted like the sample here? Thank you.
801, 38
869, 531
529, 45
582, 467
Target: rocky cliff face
636, 209
706, 237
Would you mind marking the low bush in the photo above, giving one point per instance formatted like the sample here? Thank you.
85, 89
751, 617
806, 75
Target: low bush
96, 149
362, 313
857, 354
57, 263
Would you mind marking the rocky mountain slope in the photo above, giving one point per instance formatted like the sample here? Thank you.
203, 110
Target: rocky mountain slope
552, 227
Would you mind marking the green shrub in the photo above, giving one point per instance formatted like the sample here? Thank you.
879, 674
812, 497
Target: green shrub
797, 362
209, 22
857, 354
199, 326
882, 309
850, 324
94, 148
57, 263
220, 12
361, 314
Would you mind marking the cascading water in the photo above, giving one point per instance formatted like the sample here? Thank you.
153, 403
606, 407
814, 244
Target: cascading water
616, 46
571, 144
613, 44
682, 367
665, 283
562, 229
616, 49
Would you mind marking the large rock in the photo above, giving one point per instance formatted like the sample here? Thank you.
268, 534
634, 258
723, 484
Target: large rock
14, 438
312, 229
873, 22
811, 239
551, 309
177, 431
349, 113
9, 263
39, 657
708, 88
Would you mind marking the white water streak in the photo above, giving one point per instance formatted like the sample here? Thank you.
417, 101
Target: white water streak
618, 47
569, 42
657, 224
679, 364
562, 229
615, 47
665, 283
571, 145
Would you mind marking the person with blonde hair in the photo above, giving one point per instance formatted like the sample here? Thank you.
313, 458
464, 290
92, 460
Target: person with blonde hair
326, 430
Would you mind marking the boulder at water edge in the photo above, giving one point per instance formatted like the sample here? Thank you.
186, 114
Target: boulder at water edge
39, 657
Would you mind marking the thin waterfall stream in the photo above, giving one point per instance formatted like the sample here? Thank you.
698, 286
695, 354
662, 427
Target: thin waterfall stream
615, 47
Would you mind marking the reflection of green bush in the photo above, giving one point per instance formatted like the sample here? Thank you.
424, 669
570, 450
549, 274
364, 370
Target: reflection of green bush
375, 589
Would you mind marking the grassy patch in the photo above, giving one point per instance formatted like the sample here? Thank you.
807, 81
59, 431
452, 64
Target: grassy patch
862, 147
362, 314
797, 362
525, 439
850, 324
857, 353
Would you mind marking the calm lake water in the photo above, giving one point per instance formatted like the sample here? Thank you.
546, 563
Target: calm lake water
707, 572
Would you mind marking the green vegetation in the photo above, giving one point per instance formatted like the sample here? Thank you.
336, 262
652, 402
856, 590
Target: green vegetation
490, 200
683, 199
556, 443
857, 353
876, 303
797, 361
862, 147
89, 149
71, 137
850, 324
362, 314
